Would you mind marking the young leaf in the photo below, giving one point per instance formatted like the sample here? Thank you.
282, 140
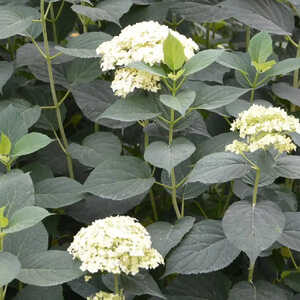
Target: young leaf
181, 102
3, 219
5, 145
30, 143
155, 70
174, 56
260, 47
165, 156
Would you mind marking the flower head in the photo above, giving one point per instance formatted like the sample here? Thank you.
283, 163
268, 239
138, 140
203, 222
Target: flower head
264, 127
142, 42
115, 244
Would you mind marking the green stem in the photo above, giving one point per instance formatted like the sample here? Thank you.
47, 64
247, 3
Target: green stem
293, 259
96, 127
174, 198
207, 35
53, 24
250, 274
53, 90
257, 177
296, 78
116, 284
254, 87
171, 126
248, 36
151, 194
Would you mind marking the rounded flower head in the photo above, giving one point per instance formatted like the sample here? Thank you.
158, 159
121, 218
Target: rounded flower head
262, 128
142, 42
115, 244
106, 296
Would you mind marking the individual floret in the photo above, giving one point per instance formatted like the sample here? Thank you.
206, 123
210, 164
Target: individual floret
106, 296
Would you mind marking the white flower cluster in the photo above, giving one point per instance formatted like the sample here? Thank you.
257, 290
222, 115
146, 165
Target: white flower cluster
106, 296
115, 244
262, 128
142, 42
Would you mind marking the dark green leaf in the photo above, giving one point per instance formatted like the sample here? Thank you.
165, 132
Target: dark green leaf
6, 71
31, 292
288, 167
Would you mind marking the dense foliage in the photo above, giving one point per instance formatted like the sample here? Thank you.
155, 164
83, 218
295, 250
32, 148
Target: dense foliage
185, 122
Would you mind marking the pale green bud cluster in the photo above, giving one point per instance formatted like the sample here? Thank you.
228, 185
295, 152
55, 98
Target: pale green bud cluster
262, 128
106, 296
116, 245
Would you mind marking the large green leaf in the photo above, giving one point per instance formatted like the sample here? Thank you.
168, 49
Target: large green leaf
212, 286
212, 97
11, 23
9, 268
116, 8
262, 290
288, 167
201, 60
27, 242
119, 179
48, 268
165, 156
233, 61
180, 102
16, 191
291, 233
134, 108
219, 167
204, 249
284, 67
84, 45
155, 70
286, 91
58, 192
25, 218
31, 292
6, 71
96, 148
260, 47
253, 229
165, 236
30, 143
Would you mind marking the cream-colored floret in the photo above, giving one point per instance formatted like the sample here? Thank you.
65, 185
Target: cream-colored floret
115, 244
106, 296
127, 80
264, 127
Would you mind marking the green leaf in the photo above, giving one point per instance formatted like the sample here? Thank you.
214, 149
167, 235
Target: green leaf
133, 108
26, 217
155, 70
174, 56
165, 156
9, 266
58, 192
165, 236
219, 167
201, 60
180, 102
119, 179
212, 97
48, 268
31, 292
30, 143
262, 290
253, 229
292, 281
286, 91
204, 249
288, 167
3, 219
291, 233
260, 47
12, 23
284, 67
16, 190
84, 45
12, 123
212, 286
27, 242
96, 148
6, 71
5, 145
233, 61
